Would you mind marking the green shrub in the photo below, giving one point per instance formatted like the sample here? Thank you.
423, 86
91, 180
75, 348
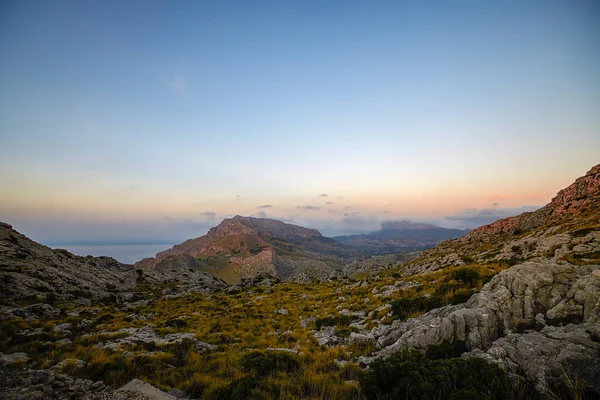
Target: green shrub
338, 320
410, 375
446, 350
403, 308
176, 323
466, 275
263, 363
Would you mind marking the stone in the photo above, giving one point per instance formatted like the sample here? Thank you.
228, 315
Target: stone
146, 389
13, 359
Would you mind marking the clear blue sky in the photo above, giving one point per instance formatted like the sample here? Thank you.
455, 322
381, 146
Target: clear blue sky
175, 114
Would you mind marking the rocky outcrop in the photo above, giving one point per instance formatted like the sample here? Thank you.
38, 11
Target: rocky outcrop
45, 384
543, 296
556, 230
31, 272
548, 356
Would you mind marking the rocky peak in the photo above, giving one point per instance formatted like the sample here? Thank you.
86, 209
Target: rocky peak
232, 226
580, 196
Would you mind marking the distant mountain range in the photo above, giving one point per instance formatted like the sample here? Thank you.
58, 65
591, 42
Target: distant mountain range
242, 247
399, 237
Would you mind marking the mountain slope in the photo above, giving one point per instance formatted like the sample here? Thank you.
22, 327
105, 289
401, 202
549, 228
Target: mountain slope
242, 247
567, 228
31, 272
400, 236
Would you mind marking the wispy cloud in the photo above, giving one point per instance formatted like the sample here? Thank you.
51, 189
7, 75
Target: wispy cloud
329, 202
323, 195
209, 214
266, 206
177, 82
309, 207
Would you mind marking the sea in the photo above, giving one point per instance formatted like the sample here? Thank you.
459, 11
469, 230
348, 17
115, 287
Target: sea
127, 254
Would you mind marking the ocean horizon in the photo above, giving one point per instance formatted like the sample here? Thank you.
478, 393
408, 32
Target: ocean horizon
125, 253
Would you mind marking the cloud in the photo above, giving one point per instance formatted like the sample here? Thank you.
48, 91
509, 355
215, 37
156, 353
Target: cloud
323, 195
387, 205
329, 202
266, 206
495, 204
309, 207
209, 214
177, 82
472, 218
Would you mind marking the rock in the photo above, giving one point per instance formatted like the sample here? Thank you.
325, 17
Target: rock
326, 336
202, 347
13, 359
361, 339
508, 303
543, 357
70, 362
179, 394
146, 389
39, 311
282, 311
293, 351
63, 329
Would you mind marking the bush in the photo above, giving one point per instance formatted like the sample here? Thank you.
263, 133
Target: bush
466, 275
339, 320
461, 296
446, 350
403, 308
410, 375
176, 323
261, 364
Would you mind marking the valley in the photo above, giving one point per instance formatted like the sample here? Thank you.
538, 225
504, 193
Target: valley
262, 309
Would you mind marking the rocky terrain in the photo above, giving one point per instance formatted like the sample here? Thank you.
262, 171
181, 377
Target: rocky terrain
399, 237
565, 229
241, 247
31, 273
510, 310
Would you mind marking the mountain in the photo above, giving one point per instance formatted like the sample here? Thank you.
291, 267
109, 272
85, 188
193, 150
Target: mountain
509, 310
31, 272
242, 247
399, 237
565, 229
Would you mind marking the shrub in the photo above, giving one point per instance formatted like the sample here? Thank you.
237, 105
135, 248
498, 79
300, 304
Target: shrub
404, 307
410, 375
261, 364
176, 323
461, 296
466, 275
446, 350
338, 320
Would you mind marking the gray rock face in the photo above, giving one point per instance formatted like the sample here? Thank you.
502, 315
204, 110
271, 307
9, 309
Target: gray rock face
523, 297
543, 357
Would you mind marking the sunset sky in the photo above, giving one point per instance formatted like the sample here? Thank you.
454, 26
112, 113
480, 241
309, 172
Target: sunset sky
150, 121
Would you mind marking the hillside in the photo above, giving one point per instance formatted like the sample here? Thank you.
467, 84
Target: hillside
31, 272
474, 317
399, 237
565, 229
243, 247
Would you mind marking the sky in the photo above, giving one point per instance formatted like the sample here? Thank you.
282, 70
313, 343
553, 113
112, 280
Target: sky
141, 122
